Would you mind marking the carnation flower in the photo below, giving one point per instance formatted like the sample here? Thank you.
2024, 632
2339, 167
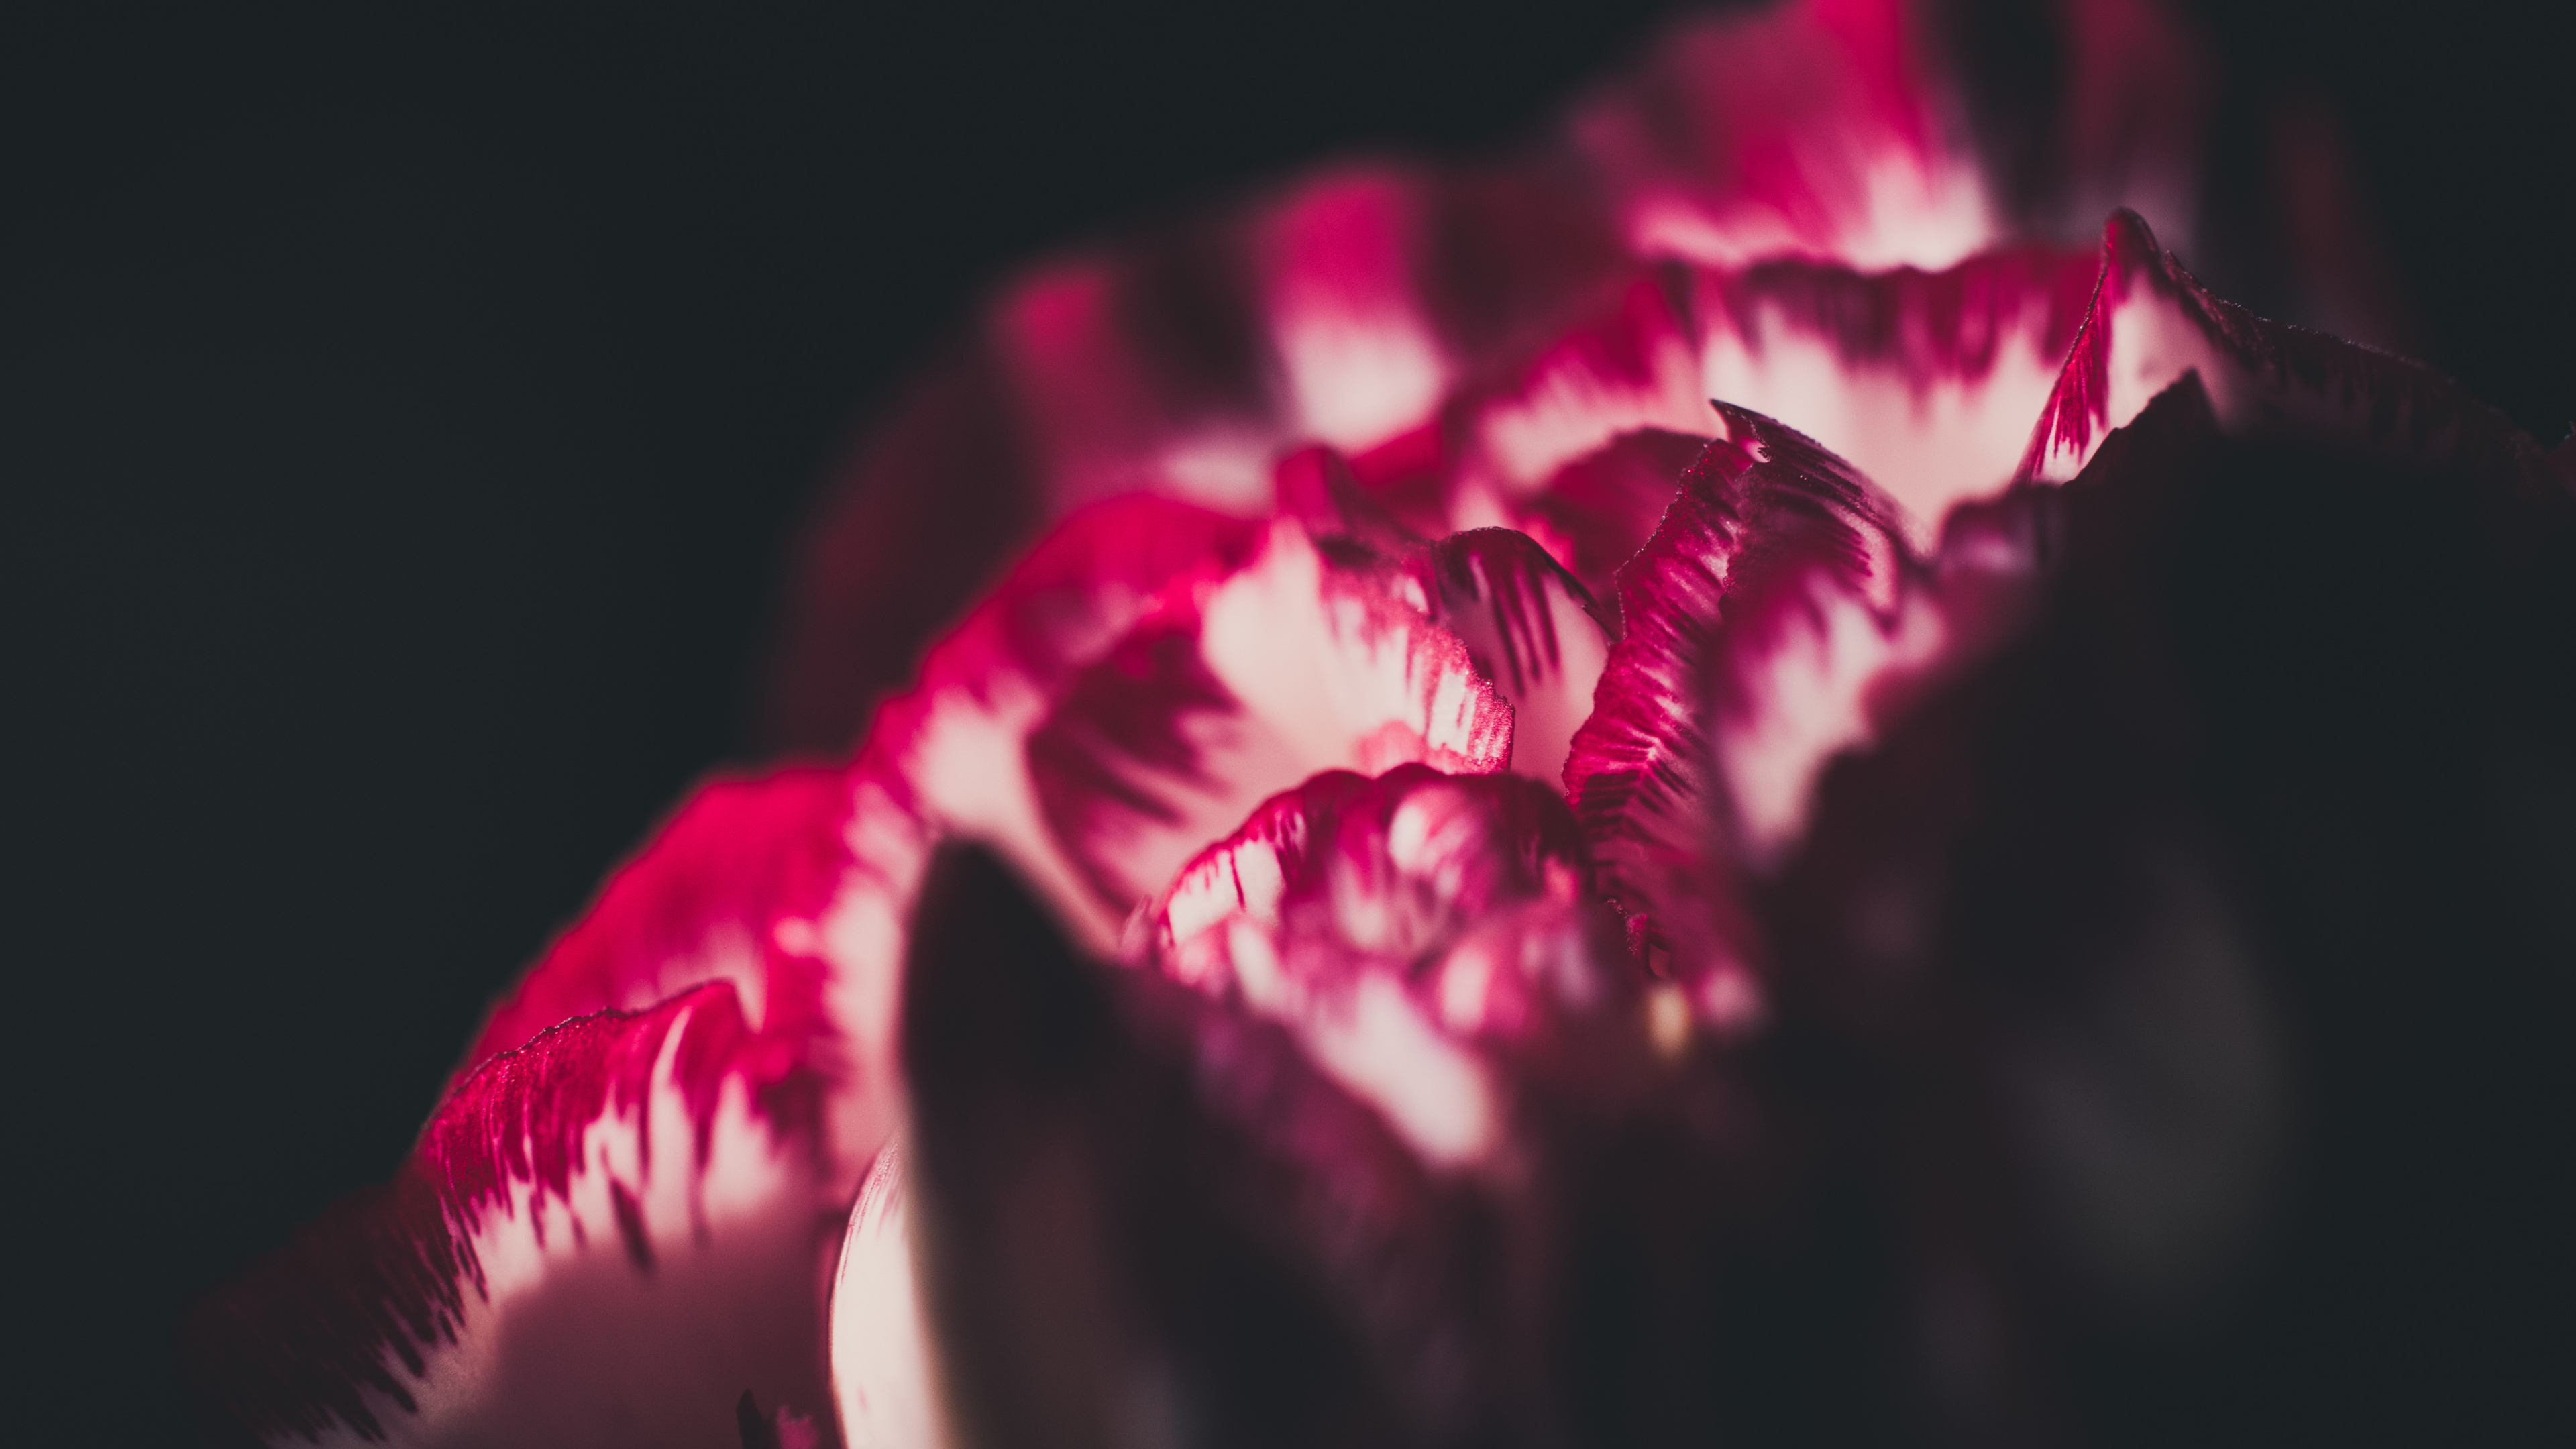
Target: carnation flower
1619, 797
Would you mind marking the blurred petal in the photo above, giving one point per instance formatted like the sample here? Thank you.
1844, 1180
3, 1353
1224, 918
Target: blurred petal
1925, 381
881, 1355
900, 541
1838, 130
1227, 693
1629, 363
1145, 1214
605, 1237
1598, 510
1811, 129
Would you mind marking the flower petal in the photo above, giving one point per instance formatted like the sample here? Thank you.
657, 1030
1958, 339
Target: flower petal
1830, 130
1529, 627
789, 886
880, 1345
1345, 875
1231, 692
1598, 510
604, 1237
1810, 129
1641, 769
2126, 918
1925, 380
1143, 1212
2150, 323
956, 744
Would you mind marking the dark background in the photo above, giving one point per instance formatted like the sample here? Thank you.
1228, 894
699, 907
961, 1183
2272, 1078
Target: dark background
405, 416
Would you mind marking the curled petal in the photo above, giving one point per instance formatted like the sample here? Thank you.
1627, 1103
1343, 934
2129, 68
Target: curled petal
1228, 693
603, 1237
1531, 629
1640, 771
1345, 870
880, 1346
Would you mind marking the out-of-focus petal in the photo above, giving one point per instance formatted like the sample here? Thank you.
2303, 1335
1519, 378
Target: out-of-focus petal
1838, 129
1227, 693
2105, 940
1597, 511
880, 1346
1925, 381
603, 1237
919, 520
1145, 1213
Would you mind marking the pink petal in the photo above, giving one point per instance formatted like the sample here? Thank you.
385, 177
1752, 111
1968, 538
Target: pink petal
1629, 362
1345, 874
1810, 129
1598, 510
2150, 322
1360, 359
605, 1237
955, 746
1227, 693
1925, 380
789, 887
1529, 627
1641, 772
1831, 130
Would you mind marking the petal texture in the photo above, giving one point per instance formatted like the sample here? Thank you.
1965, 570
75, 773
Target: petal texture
604, 1237
1225, 694
2150, 323
1642, 773
790, 887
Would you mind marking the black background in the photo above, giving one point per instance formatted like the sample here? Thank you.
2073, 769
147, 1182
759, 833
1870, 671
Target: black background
405, 416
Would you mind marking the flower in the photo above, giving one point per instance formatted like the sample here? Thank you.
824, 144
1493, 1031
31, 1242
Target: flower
1457, 891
